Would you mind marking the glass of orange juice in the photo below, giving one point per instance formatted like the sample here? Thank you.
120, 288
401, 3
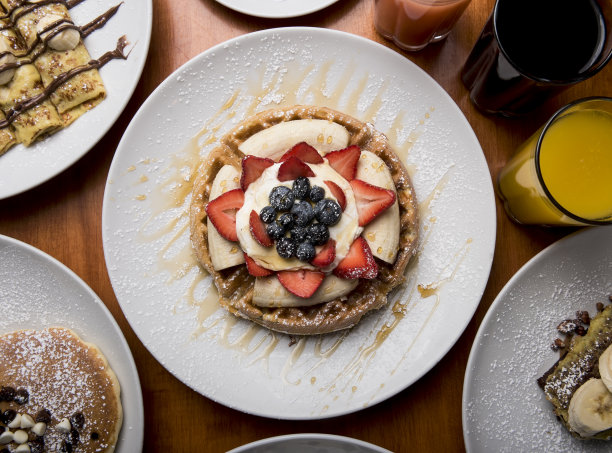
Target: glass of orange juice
412, 24
562, 175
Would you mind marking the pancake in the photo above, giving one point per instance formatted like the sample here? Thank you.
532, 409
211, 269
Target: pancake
235, 285
54, 370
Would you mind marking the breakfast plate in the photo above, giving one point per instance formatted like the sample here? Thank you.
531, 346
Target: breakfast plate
276, 9
503, 407
37, 291
167, 297
309, 443
23, 168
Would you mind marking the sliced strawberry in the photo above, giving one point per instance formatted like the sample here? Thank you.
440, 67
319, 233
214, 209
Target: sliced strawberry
344, 161
358, 263
326, 255
302, 283
222, 213
255, 269
293, 168
338, 193
258, 230
252, 168
304, 152
370, 200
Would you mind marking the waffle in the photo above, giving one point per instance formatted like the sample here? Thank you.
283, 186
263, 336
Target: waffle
235, 285
53, 371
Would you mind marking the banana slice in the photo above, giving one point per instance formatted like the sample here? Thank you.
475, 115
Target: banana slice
605, 368
67, 39
7, 75
223, 253
590, 409
323, 135
268, 292
382, 233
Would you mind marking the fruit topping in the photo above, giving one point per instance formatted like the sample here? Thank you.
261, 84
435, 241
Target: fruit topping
258, 230
327, 212
267, 214
370, 200
222, 213
358, 263
301, 188
338, 193
305, 251
275, 231
298, 233
292, 169
344, 161
252, 168
316, 193
286, 247
286, 221
326, 255
302, 283
302, 213
317, 234
304, 152
255, 269
282, 198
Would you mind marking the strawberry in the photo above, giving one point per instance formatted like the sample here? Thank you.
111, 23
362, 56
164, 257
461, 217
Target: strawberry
252, 168
370, 200
293, 168
358, 263
326, 255
258, 230
304, 152
255, 269
222, 213
302, 283
338, 193
344, 161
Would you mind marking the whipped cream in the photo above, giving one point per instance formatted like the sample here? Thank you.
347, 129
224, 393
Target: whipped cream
256, 197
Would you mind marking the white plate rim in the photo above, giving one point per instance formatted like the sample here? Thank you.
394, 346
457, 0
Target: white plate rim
136, 432
308, 436
364, 41
265, 8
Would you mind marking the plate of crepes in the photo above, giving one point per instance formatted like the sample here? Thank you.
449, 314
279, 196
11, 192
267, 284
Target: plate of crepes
67, 70
276, 9
286, 225
539, 376
309, 443
68, 381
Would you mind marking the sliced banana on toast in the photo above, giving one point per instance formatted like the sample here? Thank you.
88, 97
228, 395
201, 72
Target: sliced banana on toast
590, 409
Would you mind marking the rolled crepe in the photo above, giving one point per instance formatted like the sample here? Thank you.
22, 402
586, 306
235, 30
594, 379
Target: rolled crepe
7, 138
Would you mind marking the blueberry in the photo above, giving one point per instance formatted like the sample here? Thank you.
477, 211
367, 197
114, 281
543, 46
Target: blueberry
267, 214
316, 193
302, 213
282, 198
298, 233
275, 231
327, 212
301, 187
305, 251
286, 221
318, 234
286, 247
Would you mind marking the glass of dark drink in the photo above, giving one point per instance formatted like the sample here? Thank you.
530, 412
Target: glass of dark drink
532, 49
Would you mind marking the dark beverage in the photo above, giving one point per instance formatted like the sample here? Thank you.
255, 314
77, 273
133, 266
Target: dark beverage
530, 49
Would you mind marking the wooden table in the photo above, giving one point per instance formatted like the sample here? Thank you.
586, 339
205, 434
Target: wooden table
63, 218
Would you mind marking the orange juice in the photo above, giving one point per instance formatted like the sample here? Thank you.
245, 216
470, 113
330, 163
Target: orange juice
574, 161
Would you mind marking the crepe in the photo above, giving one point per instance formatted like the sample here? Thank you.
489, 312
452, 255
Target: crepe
7, 137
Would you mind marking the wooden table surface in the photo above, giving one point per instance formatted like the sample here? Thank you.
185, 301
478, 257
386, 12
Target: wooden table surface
63, 218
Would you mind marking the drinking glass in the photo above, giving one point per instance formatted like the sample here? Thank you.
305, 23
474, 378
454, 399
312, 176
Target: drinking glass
412, 24
532, 49
562, 174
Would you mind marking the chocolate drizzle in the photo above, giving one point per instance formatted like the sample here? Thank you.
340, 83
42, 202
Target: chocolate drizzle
27, 104
28, 6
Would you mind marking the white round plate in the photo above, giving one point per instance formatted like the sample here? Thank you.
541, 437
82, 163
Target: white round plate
309, 443
163, 291
23, 168
38, 291
504, 409
276, 9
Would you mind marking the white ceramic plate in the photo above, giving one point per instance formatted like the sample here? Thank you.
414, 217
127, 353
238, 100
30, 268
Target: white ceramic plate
504, 410
37, 291
23, 168
276, 9
164, 293
309, 443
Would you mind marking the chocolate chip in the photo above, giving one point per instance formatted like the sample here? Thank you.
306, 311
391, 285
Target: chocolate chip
600, 306
8, 416
7, 393
21, 396
37, 445
94, 435
43, 415
77, 420
66, 447
75, 436
583, 316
